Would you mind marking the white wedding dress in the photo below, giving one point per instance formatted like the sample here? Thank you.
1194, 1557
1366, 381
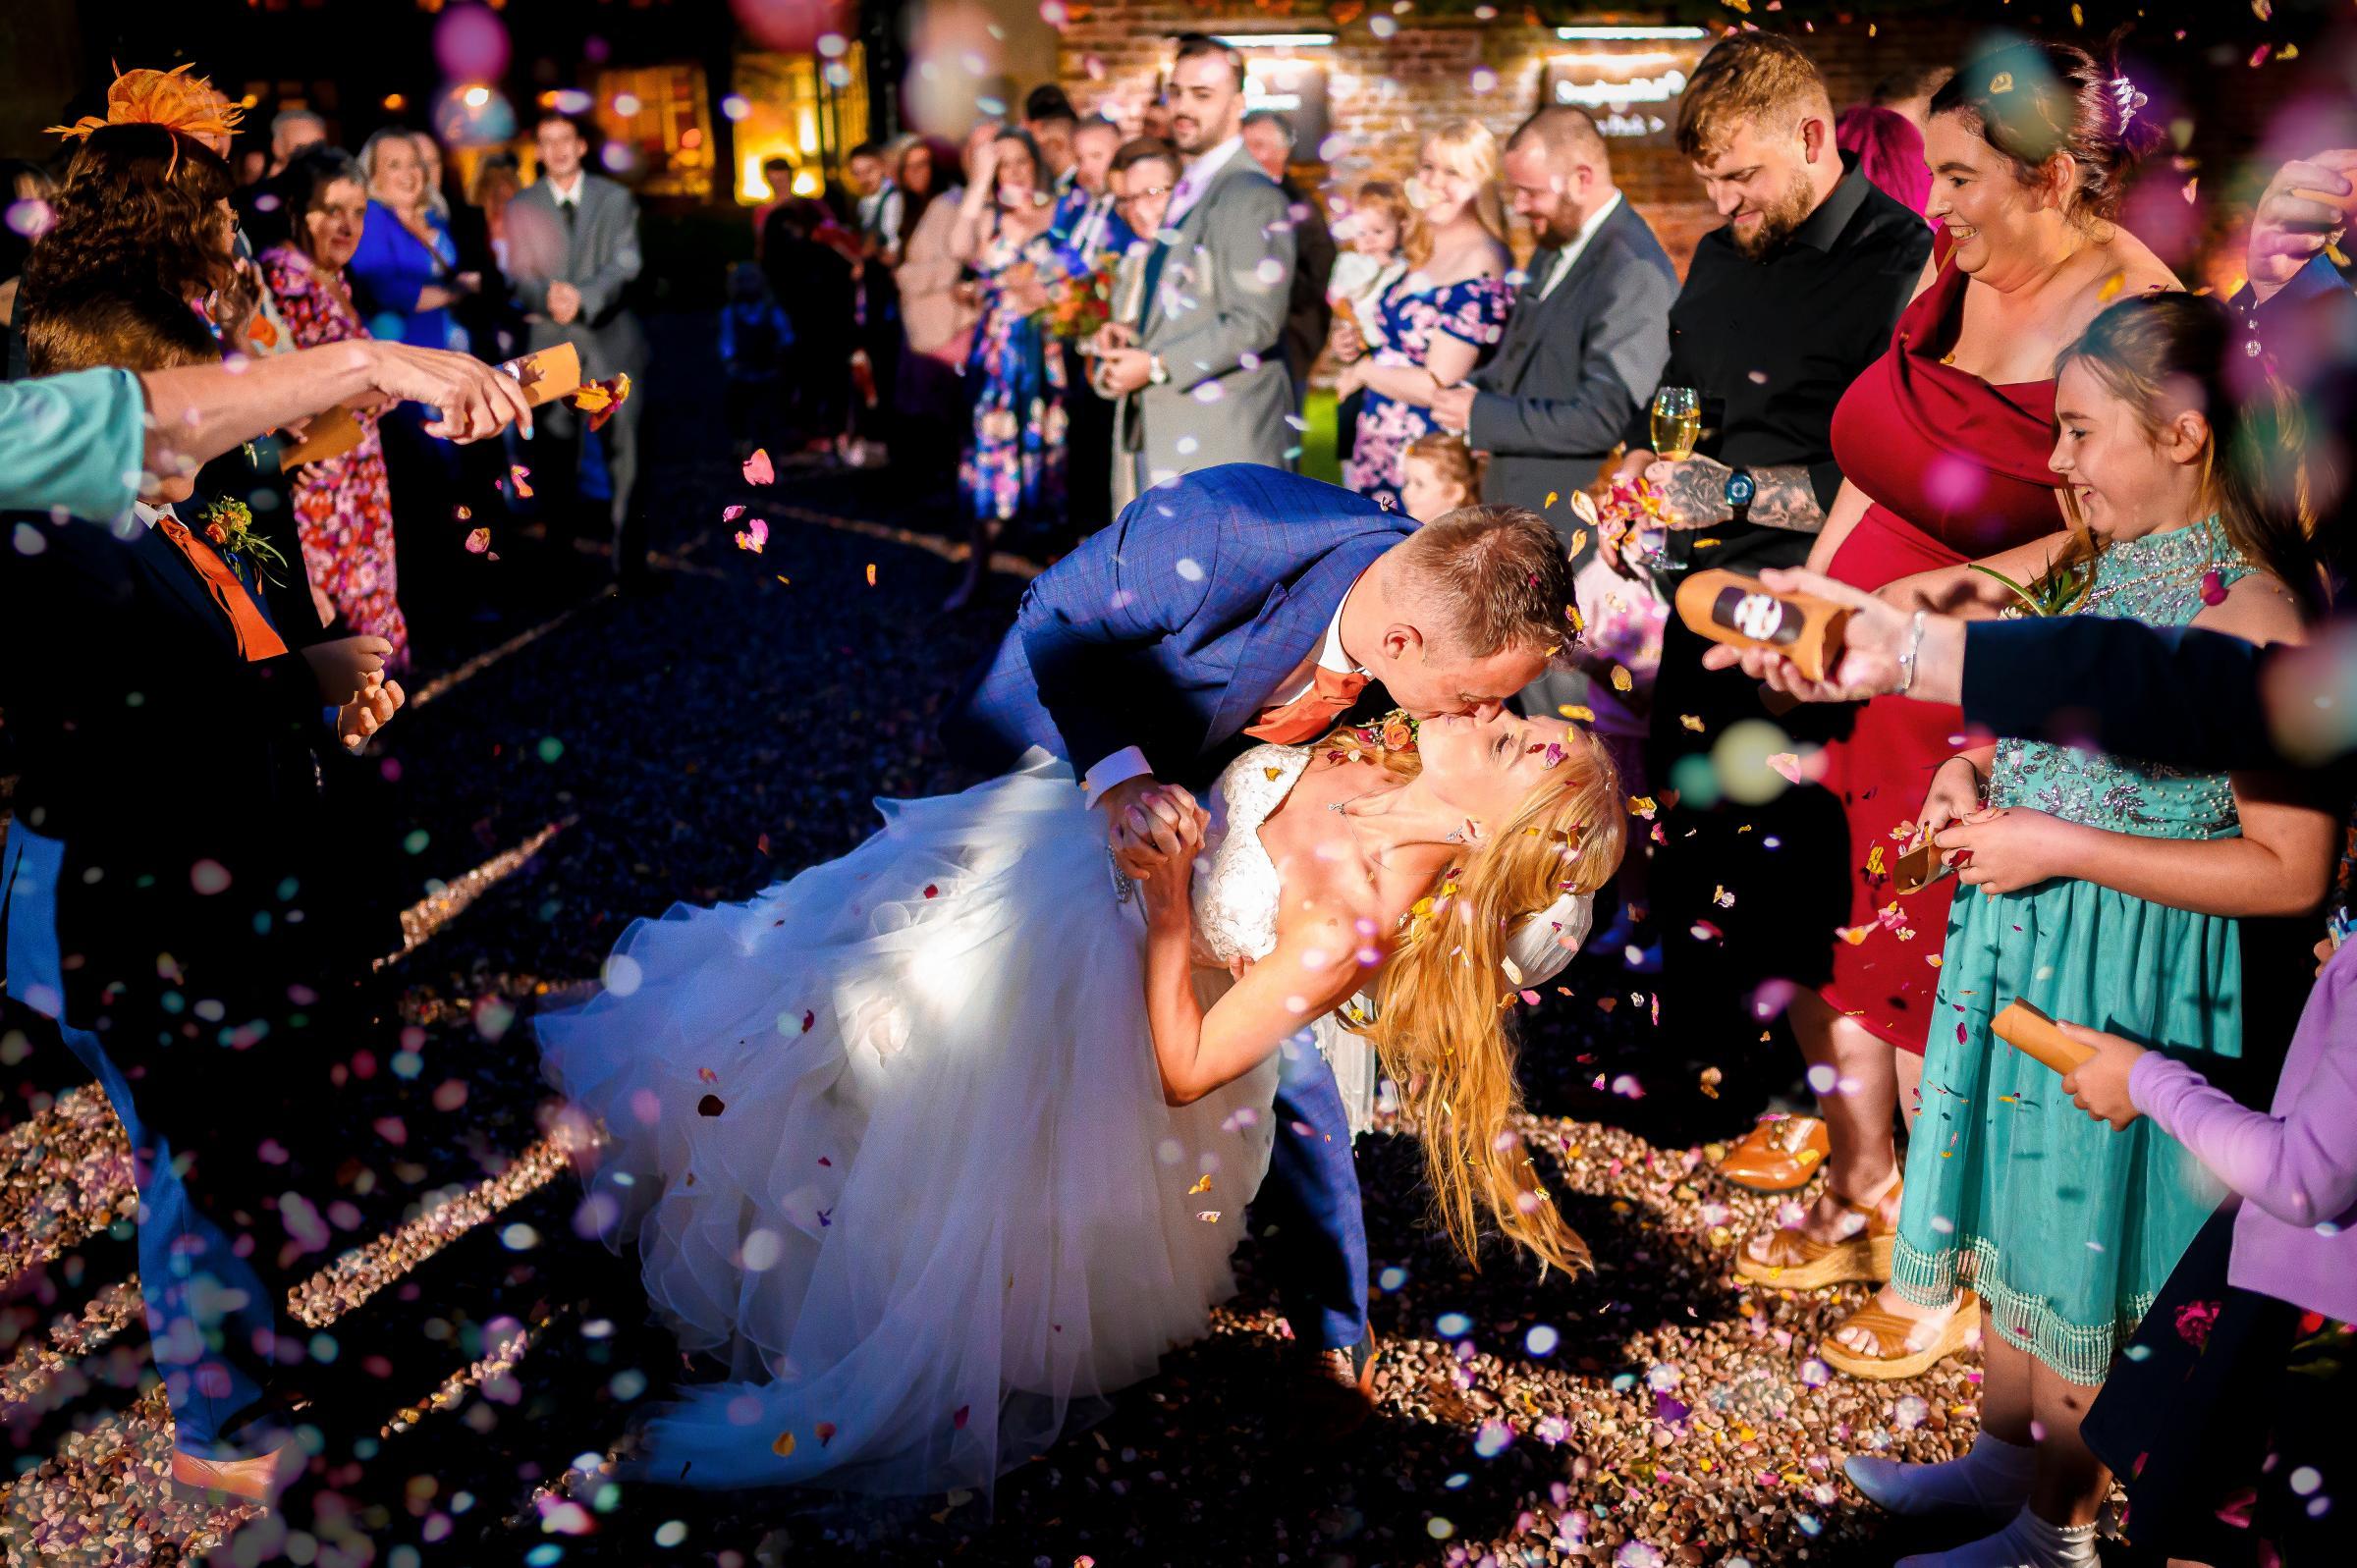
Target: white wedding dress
892, 1144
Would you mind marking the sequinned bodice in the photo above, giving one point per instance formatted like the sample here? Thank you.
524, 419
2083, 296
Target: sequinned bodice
1235, 881
2157, 579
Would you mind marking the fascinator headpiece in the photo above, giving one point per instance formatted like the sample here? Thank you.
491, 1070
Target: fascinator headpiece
169, 99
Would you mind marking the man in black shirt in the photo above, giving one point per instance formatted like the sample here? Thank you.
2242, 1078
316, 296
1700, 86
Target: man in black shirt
1782, 309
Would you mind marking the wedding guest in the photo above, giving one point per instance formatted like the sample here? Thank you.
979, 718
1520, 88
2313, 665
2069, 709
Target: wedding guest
1205, 372
937, 316
405, 270
1144, 173
1269, 141
1589, 332
1890, 151
343, 504
818, 287
1782, 309
1439, 475
1376, 230
573, 244
261, 204
120, 656
1943, 443
1441, 319
1014, 470
2221, 1417
756, 354
1907, 93
876, 224
2097, 887
494, 325
1049, 117
777, 175
1090, 231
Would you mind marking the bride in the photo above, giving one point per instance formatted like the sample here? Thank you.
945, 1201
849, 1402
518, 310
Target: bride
935, 1142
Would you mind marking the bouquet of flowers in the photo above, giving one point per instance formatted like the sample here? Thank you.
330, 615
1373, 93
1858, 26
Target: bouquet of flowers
1080, 294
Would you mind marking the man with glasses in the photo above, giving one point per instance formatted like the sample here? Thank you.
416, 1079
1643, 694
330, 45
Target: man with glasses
1144, 173
1205, 375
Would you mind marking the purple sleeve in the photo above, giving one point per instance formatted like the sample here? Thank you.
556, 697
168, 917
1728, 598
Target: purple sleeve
2300, 1166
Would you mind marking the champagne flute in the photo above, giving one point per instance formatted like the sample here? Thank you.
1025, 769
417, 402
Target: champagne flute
1677, 426
1677, 423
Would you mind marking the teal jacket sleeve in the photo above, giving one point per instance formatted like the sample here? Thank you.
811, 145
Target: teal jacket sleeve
73, 443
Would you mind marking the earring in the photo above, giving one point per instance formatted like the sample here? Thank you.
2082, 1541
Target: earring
1455, 837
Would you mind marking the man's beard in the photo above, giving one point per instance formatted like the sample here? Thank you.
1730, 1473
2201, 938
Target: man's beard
1778, 221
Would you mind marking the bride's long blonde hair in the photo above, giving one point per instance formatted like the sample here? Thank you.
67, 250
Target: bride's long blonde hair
1440, 1028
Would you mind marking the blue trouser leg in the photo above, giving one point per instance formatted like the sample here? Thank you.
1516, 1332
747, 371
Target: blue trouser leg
1317, 1257
209, 1318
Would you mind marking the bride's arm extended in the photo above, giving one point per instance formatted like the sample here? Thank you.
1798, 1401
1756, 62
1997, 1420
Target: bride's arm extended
1313, 970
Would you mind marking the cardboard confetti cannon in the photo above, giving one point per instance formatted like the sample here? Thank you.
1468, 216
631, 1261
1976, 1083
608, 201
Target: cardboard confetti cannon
1729, 607
545, 376
1922, 866
2034, 1035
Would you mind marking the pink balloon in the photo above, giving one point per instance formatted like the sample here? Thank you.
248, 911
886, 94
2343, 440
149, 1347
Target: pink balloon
472, 44
793, 25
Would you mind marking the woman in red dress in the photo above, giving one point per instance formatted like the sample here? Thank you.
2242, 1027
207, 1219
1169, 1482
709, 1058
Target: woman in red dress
1944, 445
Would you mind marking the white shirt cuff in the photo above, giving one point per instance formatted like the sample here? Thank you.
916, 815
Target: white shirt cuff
1125, 764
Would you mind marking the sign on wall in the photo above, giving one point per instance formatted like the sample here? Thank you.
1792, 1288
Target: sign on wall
1633, 95
1297, 88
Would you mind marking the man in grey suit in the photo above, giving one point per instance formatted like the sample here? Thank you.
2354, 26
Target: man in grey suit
573, 248
1590, 331
1204, 381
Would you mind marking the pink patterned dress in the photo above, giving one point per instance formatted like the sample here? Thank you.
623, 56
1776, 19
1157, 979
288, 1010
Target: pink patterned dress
1414, 315
343, 508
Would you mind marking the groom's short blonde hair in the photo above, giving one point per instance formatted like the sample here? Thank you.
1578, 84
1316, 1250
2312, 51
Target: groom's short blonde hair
1494, 577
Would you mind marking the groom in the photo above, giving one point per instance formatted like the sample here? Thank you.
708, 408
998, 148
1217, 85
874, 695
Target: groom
1244, 601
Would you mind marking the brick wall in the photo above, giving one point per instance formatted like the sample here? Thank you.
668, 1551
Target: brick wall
1384, 96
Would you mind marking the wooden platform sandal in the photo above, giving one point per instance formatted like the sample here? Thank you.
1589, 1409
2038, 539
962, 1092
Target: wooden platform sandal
1797, 1261
1893, 1356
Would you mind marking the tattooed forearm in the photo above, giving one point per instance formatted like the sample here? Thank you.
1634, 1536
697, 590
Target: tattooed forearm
1786, 499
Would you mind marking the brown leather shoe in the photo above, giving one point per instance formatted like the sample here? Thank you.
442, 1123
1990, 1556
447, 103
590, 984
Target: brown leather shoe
1779, 1155
223, 1483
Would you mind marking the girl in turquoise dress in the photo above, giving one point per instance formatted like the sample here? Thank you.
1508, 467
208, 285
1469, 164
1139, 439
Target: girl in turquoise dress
2105, 891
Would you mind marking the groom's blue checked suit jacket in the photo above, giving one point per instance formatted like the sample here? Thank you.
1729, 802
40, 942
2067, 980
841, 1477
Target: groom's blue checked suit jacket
1171, 629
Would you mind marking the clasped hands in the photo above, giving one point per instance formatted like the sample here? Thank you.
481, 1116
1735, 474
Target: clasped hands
1157, 829
351, 672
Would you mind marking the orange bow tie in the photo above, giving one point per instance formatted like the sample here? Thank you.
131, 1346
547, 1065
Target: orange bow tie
1311, 714
257, 638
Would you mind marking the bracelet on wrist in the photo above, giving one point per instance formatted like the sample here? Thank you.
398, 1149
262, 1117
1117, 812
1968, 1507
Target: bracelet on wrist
1910, 649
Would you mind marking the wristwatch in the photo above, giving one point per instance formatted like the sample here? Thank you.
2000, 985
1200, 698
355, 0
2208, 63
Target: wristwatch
1156, 371
1741, 488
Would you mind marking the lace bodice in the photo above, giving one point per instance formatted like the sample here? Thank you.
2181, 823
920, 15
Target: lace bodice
1235, 881
2157, 579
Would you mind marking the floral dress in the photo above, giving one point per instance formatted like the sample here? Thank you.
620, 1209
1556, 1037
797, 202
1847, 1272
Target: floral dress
2066, 1228
1014, 464
343, 508
1414, 313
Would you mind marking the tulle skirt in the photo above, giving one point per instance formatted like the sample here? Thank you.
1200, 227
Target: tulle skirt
890, 1140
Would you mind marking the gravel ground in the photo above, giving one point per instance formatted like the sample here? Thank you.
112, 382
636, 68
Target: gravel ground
697, 745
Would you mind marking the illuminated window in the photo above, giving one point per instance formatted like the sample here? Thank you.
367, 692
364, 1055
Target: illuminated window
662, 117
801, 108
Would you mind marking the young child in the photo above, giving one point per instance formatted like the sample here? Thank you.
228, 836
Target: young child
2100, 889
1441, 474
2223, 1418
755, 342
1378, 238
1376, 234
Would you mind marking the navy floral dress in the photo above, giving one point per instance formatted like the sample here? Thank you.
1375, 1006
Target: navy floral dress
1414, 315
1013, 463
